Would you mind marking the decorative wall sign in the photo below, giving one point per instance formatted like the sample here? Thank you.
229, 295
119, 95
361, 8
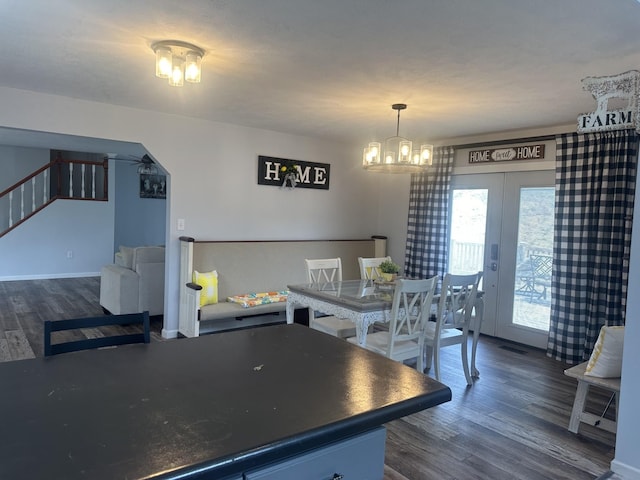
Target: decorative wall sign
309, 174
153, 186
525, 152
622, 89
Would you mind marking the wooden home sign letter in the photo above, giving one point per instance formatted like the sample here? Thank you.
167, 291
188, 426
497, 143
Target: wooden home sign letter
310, 174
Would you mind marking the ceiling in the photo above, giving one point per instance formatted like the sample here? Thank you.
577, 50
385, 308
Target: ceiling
331, 68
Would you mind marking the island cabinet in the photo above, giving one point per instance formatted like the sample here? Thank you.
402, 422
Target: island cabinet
280, 402
356, 458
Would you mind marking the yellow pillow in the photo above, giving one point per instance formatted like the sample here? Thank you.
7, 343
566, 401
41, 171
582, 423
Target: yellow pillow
209, 283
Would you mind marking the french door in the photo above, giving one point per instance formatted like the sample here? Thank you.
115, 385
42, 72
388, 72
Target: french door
502, 224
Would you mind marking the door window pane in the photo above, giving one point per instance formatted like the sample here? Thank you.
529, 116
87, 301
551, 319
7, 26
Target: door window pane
532, 299
468, 224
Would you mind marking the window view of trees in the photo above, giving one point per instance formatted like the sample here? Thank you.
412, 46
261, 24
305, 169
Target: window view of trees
536, 218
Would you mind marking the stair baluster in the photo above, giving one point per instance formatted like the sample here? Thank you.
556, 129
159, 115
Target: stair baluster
52, 172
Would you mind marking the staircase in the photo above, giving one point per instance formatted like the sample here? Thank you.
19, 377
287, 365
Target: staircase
59, 179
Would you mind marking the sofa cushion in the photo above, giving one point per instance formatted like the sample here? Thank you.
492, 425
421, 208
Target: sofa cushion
606, 358
226, 310
254, 299
126, 255
209, 283
147, 255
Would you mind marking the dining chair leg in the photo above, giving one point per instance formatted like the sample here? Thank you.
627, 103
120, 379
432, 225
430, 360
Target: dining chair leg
428, 357
465, 363
436, 362
420, 360
474, 371
479, 314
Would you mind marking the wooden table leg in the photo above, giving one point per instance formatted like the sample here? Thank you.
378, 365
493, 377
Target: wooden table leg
578, 406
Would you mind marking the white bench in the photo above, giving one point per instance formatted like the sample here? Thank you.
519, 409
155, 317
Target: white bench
584, 382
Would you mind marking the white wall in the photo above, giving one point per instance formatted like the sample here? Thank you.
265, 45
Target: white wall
213, 175
392, 198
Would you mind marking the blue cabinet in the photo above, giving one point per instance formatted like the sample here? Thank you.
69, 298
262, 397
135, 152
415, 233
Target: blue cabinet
357, 458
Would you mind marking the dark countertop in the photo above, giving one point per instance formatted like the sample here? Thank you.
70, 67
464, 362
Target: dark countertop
220, 403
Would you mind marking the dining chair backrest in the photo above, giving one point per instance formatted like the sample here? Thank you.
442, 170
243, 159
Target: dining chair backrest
140, 319
453, 319
369, 267
457, 300
410, 311
324, 270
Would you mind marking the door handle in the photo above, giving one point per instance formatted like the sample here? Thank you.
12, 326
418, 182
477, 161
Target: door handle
493, 266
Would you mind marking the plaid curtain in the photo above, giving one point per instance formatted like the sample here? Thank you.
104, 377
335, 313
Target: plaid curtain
427, 226
595, 186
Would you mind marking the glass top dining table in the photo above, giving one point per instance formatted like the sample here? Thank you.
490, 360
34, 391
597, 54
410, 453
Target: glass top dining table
362, 301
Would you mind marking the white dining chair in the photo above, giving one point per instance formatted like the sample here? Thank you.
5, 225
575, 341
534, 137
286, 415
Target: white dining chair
369, 267
328, 270
453, 319
410, 312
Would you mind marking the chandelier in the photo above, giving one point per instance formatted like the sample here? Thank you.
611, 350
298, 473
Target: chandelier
397, 154
178, 61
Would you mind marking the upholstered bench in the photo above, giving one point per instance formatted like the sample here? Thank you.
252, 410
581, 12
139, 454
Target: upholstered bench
243, 267
584, 382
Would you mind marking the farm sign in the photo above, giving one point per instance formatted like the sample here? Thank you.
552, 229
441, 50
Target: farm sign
526, 152
617, 103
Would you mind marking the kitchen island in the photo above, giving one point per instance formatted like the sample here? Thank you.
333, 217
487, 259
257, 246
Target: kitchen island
256, 404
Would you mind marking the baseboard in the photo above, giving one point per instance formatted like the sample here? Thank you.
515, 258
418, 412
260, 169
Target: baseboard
49, 276
169, 333
623, 470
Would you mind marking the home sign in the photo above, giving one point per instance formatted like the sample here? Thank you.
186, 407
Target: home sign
308, 175
525, 152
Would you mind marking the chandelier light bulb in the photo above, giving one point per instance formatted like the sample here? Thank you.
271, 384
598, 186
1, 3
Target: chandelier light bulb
163, 62
426, 157
192, 71
389, 157
177, 76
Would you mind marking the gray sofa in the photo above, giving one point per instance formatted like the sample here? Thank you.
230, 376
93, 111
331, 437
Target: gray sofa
135, 282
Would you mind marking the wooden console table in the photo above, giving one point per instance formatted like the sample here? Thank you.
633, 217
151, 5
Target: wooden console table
233, 405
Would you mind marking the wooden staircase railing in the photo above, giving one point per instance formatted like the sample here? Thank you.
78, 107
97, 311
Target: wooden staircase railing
59, 179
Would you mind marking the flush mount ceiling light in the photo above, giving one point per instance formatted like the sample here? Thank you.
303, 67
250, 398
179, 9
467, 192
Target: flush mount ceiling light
397, 154
178, 61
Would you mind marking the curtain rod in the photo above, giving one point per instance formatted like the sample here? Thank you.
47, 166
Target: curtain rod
541, 138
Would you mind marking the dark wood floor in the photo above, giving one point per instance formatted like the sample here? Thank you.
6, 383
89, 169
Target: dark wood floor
511, 424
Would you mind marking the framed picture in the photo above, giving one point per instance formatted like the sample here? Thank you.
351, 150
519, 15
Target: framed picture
153, 186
